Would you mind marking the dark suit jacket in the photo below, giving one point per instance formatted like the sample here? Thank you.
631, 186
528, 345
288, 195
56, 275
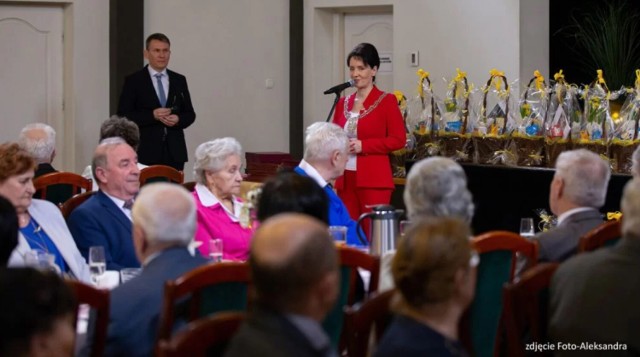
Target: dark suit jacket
98, 221
560, 243
267, 333
137, 102
594, 298
136, 305
55, 193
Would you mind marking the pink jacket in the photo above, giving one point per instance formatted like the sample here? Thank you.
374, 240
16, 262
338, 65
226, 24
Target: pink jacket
214, 221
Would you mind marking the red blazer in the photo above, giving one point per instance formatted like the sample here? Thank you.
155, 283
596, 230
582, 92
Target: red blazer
381, 132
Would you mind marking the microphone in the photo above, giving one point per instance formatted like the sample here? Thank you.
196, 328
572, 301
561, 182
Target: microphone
340, 87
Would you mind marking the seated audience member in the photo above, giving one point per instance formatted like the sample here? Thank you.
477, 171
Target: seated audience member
105, 218
325, 157
39, 140
41, 224
116, 127
164, 220
294, 266
288, 192
437, 187
220, 210
8, 230
594, 296
577, 191
434, 272
37, 315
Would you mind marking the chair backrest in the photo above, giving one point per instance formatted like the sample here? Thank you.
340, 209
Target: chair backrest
350, 260
210, 288
526, 306
69, 205
163, 172
498, 251
606, 234
61, 185
190, 186
98, 299
204, 337
360, 319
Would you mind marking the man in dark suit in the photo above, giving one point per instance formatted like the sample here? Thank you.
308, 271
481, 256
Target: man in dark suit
39, 140
578, 190
164, 222
105, 218
158, 101
594, 296
294, 267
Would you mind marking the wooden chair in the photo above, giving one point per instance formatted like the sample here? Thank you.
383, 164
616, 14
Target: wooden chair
190, 186
606, 234
74, 202
499, 252
99, 300
62, 186
359, 320
204, 337
526, 306
162, 172
350, 260
211, 288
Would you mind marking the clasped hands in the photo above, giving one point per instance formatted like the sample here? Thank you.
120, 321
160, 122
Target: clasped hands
165, 117
355, 146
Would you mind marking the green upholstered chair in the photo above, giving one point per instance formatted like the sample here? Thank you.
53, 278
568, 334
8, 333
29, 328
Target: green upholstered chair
498, 251
361, 318
604, 235
350, 260
206, 290
526, 305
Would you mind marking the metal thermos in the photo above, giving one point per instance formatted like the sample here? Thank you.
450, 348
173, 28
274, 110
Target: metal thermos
384, 228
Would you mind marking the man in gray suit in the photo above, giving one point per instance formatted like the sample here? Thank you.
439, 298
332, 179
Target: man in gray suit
577, 191
164, 222
594, 296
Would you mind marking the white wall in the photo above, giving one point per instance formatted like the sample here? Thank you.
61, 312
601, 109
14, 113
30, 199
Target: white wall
227, 49
475, 36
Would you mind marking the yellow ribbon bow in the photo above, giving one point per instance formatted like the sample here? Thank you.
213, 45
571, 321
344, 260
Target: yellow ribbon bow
614, 216
399, 96
498, 74
460, 76
638, 78
423, 76
600, 77
539, 79
558, 76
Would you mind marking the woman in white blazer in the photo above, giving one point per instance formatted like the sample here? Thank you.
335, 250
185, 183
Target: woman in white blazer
41, 224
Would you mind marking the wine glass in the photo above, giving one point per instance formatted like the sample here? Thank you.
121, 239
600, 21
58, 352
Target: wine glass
526, 227
215, 250
97, 262
339, 234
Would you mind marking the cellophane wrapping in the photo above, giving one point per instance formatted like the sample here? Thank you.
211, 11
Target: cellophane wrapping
453, 135
423, 119
625, 138
563, 114
527, 138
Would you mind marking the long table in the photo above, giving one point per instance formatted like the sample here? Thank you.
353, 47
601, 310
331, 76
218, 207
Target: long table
502, 194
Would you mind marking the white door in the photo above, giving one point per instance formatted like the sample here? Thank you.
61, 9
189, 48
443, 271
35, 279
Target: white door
31, 68
376, 29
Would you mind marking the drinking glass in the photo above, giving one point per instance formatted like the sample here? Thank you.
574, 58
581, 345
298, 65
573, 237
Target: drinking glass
339, 233
127, 274
526, 227
215, 250
41, 260
97, 262
404, 227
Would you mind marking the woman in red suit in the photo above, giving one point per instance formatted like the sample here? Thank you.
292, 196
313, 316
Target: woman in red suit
375, 128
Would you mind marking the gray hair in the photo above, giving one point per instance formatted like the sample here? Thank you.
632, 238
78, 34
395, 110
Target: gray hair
323, 139
121, 127
635, 162
211, 156
100, 155
586, 177
40, 147
166, 213
437, 187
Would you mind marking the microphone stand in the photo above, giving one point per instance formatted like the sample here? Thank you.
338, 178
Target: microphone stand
333, 107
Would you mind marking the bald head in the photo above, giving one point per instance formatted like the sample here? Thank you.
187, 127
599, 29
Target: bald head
290, 254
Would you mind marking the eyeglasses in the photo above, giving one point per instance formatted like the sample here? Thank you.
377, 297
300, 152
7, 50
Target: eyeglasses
474, 260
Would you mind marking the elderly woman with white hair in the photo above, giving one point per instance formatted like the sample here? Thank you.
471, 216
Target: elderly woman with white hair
218, 177
437, 187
